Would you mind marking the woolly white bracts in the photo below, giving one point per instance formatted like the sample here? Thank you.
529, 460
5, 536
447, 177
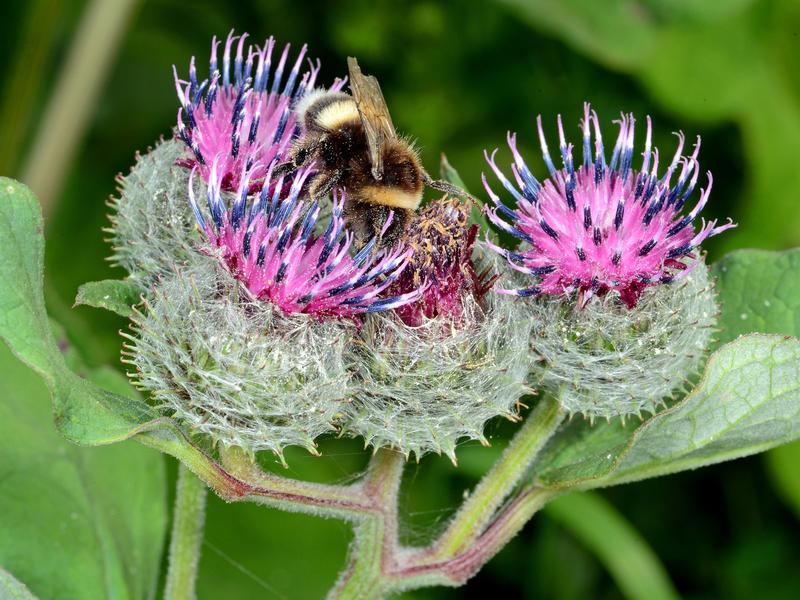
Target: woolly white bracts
607, 360
235, 368
152, 225
422, 389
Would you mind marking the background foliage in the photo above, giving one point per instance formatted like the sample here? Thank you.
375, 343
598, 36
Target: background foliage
457, 75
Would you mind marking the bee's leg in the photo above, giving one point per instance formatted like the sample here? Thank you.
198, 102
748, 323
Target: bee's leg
362, 218
369, 221
297, 158
283, 168
447, 188
322, 184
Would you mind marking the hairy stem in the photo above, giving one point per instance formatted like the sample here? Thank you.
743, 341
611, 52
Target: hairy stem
375, 545
378, 565
347, 502
428, 568
239, 478
187, 536
500, 481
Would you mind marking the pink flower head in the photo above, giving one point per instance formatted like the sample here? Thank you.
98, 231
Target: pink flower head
602, 226
441, 266
268, 241
244, 119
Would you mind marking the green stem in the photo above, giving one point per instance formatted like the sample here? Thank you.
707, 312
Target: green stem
74, 97
187, 536
375, 545
239, 478
425, 568
500, 481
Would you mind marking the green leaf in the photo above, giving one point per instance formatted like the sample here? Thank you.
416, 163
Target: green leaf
116, 295
747, 401
76, 522
84, 412
617, 32
758, 291
627, 556
12, 589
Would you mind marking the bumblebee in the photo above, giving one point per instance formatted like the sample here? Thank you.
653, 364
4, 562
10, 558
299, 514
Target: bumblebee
353, 142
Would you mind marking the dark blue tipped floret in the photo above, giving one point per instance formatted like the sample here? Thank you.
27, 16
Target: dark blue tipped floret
308, 222
619, 214
276, 81
281, 272
548, 230
679, 225
679, 251
281, 126
364, 253
527, 292
645, 250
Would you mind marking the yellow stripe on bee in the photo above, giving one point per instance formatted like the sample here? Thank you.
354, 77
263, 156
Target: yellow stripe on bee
388, 196
337, 114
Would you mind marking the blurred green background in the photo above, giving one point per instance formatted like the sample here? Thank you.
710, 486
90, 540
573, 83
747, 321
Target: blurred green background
87, 84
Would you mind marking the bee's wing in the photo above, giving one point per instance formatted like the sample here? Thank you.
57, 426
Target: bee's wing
374, 113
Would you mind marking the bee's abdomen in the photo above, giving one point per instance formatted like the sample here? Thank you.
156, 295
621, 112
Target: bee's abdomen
394, 197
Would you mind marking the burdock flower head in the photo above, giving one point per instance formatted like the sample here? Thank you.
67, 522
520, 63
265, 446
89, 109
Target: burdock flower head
250, 310
600, 242
434, 370
441, 264
248, 342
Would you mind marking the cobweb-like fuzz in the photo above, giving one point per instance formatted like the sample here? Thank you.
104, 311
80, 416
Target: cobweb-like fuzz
602, 226
235, 368
606, 360
152, 226
435, 371
241, 116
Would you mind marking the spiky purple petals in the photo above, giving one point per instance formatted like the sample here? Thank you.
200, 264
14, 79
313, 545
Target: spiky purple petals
269, 243
601, 226
241, 116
